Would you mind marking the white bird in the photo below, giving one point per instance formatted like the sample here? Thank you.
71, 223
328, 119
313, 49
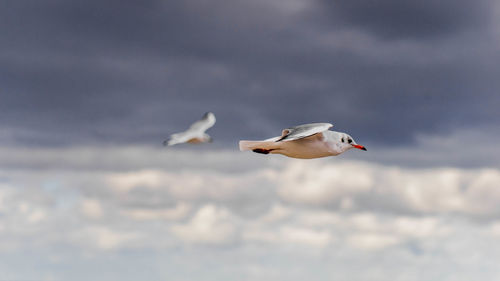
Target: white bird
305, 141
195, 133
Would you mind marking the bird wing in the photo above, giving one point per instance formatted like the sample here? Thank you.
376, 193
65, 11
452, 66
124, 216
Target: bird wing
303, 131
178, 138
204, 124
195, 130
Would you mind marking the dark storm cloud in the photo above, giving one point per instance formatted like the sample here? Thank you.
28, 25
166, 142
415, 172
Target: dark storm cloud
128, 71
394, 19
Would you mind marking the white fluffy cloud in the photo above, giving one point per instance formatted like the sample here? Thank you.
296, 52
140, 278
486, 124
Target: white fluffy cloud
103, 238
210, 225
319, 184
178, 212
312, 207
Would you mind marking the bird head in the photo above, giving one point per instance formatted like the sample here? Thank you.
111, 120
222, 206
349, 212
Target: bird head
346, 142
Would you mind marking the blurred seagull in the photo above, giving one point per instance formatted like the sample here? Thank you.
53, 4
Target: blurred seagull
305, 141
195, 133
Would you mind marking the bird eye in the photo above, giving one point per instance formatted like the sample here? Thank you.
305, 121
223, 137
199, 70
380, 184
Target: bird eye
342, 139
349, 140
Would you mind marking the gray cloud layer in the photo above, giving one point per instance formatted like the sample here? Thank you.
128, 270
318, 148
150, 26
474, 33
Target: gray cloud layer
129, 72
409, 19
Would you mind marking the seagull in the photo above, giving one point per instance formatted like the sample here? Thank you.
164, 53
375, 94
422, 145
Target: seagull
195, 133
304, 141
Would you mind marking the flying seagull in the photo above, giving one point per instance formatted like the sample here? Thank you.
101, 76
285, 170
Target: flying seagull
195, 133
304, 141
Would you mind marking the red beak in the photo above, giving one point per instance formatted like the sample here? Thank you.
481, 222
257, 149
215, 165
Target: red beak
359, 147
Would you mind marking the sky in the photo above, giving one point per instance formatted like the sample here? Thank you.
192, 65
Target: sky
90, 89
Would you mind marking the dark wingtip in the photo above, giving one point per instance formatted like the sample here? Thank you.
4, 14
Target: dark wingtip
261, 151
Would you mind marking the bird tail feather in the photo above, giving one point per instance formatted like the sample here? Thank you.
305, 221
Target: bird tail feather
171, 141
253, 145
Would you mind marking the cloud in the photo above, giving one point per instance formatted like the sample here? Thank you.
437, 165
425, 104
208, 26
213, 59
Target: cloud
306, 236
103, 238
129, 73
178, 212
414, 19
454, 149
483, 196
322, 184
91, 208
290, 236
373, 232
371, 241
209, 225
239, 182
250, 208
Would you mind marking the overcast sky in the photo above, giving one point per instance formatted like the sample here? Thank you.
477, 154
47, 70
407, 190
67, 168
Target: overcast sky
75, 72
90, 89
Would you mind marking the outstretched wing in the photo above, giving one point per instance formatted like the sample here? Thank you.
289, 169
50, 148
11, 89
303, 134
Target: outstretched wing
196, 130
204, 124
303, 131
178, 138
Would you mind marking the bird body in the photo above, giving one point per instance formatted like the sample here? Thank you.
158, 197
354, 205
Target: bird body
305, 142
195, 133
